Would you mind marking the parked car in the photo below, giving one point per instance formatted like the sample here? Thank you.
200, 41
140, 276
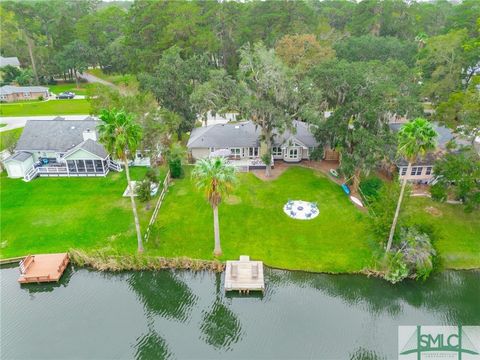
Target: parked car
66, 95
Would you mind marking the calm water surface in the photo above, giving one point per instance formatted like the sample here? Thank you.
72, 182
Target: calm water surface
180, 314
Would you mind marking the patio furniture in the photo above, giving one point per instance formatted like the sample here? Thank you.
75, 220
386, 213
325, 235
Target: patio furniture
301, 210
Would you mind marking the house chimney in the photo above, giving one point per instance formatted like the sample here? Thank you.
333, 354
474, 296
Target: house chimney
88, 134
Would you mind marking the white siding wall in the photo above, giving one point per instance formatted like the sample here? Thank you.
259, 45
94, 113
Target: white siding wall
82, 155
200, 153
420, 173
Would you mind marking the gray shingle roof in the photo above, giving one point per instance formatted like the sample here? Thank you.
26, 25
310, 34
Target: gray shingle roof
91, 146
244, 134
445, 135
19, 156
9, 89
54, 135
12, 61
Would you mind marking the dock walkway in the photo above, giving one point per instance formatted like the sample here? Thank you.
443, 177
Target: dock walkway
244, 275
43, 268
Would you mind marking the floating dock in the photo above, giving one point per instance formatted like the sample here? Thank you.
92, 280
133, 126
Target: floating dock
43, 268
244, 275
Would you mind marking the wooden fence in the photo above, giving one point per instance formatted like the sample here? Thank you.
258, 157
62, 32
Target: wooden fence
165, 185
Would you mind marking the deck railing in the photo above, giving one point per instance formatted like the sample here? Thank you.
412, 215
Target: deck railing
112, 164
31, 174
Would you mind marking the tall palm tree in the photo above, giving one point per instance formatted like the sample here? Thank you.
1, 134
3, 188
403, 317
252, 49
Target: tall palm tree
216, 177
121, 137
415, 138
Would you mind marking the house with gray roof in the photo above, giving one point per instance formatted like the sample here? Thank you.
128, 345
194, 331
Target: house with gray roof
9, 61
10, 93
422, 170
59, 147
241, 143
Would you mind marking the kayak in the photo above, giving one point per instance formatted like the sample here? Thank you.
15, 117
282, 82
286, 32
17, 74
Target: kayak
346, 189
356, 201
334, 173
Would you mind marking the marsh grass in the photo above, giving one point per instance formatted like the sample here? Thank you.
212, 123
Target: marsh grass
110, 260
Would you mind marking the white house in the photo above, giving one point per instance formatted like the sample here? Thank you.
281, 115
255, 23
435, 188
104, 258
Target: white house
422, 170
59, 147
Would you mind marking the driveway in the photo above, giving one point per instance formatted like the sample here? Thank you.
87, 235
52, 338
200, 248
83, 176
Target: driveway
14, 122
93, 79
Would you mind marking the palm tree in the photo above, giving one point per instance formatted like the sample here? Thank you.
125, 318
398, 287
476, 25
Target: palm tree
121, 137
415, 138
216, 177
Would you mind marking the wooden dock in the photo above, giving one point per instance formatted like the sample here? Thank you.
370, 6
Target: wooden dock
244, 275
42, 268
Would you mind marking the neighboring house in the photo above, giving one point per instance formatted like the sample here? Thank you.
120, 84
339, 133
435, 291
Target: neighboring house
9, 93
422, 170
59, 147
211, 119
242, 142
12, 61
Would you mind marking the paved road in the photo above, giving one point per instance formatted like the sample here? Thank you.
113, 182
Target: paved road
14, 122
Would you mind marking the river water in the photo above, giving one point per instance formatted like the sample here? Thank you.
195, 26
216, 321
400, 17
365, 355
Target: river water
182, 314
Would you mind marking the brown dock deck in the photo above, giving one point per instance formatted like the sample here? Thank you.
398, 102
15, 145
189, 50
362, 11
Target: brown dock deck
244, 275
43, 268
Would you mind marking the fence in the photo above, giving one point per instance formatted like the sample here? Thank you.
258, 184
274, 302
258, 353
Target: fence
165, 184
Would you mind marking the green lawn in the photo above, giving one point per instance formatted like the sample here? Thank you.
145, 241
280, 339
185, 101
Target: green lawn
51, 107
62, 87
15, 133
254, 224
456, 233
51, 215
55, 214
125, 81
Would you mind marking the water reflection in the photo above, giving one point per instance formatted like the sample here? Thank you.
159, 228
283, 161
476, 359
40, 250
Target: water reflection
380, 297
152, 346
364, 354
220, 326
162, 293
33, 288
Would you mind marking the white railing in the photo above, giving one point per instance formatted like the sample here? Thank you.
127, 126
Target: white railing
52, 170
31, 174
112, 164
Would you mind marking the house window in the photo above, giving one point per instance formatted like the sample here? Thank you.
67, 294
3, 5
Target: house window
428, 171
404, 171
98, 166
236, 152
212, 149
80, 165
416, 170
71, 166
253, 152
277, 151
26, 94
293, 153
89, 165
3, 97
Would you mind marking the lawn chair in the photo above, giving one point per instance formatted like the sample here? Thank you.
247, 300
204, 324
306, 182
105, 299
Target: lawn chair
308, 215
293, 213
